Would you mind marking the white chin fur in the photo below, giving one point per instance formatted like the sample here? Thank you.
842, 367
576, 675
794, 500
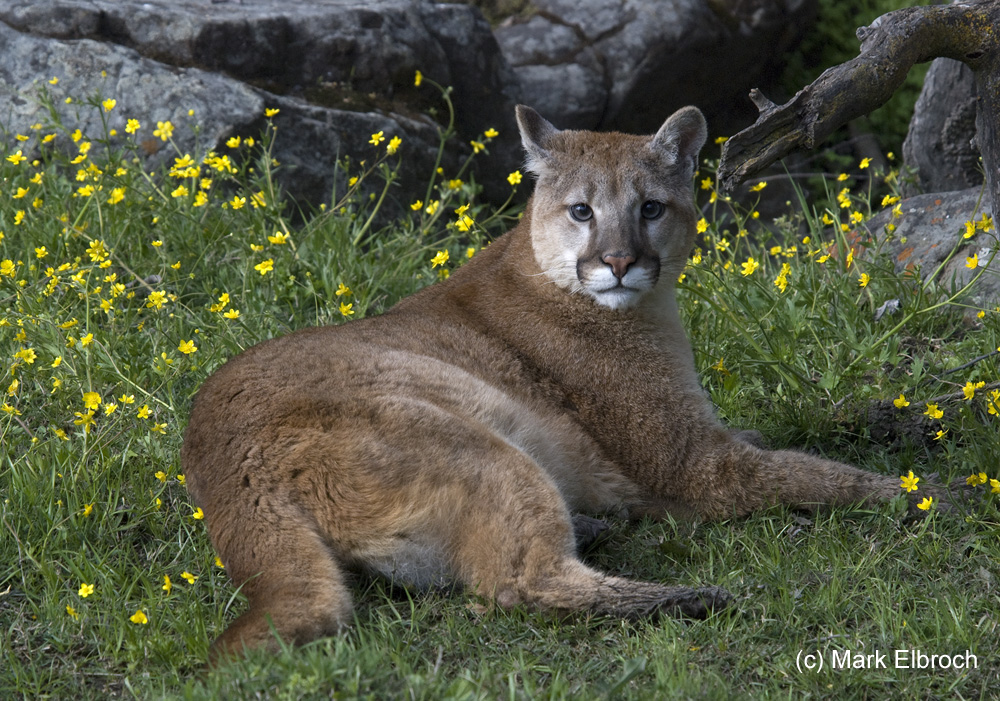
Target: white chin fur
616, 298
603, 288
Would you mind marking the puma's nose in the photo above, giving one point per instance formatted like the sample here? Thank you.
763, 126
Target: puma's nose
619, 263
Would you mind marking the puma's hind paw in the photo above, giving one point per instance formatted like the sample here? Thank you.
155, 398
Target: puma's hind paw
686, 602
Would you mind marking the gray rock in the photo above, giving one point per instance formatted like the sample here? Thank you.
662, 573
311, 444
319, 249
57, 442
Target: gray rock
626, 64
939, 143
144, 89
930, 228
343, 69
337, 64
362, 47
309, 139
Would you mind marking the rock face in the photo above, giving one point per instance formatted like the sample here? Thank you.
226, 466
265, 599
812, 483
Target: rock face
341, 70
141, 87
939, 143
328, 51
626, 64
338, 70
928, 231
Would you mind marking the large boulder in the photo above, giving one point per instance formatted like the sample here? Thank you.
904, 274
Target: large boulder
310, 139
940, 143
339, 70
930, 228
144, 89
626, 64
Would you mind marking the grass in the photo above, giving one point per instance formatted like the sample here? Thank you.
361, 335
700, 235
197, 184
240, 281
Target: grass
120, 292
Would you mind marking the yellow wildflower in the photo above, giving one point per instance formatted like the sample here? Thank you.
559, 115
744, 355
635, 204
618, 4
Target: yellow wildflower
908, 482
164, 130
976, 479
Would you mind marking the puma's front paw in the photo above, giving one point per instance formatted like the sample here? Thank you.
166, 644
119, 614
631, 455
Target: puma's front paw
588, 532
751, 436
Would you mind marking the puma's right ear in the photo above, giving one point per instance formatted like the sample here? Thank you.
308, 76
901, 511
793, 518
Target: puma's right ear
536, 134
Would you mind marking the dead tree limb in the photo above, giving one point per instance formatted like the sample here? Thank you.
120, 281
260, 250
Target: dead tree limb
966, 31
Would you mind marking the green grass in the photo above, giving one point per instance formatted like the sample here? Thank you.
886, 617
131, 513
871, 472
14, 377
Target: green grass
91, 495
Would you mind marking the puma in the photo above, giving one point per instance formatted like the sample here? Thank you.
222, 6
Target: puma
452, 438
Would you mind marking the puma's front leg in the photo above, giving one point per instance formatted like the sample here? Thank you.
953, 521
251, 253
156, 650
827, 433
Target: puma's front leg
734, 478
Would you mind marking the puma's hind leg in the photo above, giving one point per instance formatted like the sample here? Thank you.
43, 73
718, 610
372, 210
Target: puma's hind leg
519, 548
294, 586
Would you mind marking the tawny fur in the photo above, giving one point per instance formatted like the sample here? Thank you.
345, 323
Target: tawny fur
451, 439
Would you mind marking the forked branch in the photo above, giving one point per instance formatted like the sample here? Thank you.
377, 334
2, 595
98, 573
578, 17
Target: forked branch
966, 31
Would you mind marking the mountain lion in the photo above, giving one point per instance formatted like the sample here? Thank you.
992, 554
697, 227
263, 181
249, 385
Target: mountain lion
451, 438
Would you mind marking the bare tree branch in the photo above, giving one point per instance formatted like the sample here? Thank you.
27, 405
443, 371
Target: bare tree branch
894, 42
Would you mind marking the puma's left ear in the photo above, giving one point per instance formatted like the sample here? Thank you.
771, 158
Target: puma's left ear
681, 138
536, 133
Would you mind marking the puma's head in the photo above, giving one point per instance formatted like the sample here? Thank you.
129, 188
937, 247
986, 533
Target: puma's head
612, 214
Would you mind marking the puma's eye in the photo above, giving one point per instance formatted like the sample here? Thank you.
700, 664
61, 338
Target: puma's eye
651, 209
581, 211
